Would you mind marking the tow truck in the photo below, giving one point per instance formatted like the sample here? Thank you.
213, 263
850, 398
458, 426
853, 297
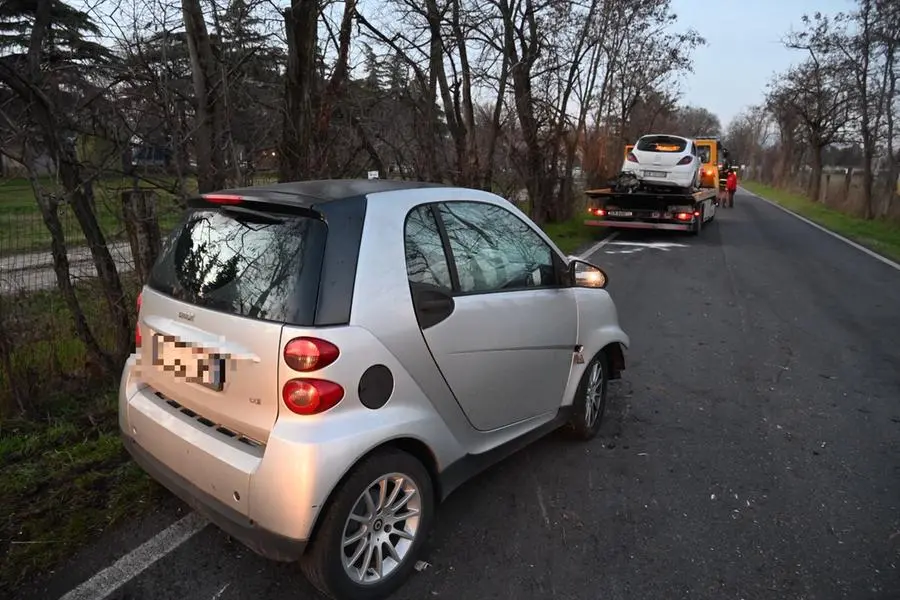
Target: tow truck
628, 203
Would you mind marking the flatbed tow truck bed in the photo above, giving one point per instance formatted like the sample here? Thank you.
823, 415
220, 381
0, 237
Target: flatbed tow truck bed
644, 209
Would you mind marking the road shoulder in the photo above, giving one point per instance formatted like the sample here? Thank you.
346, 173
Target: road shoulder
879, 238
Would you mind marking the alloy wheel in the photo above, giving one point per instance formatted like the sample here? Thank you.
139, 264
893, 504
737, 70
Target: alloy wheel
381, 528
594, 394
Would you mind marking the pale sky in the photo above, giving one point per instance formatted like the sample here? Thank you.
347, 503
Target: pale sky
743, 49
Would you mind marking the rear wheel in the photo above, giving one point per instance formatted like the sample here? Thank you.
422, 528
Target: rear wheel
590, 398
373, 529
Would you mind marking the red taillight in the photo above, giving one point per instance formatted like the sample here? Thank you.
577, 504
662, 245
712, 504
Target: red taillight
599, 212
696, 213
311, 396
685, 161
308, 354
684, 216
632, 157
223, 198
137, 327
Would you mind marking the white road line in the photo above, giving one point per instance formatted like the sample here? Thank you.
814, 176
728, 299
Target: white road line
598, 245
132, 564
849, 242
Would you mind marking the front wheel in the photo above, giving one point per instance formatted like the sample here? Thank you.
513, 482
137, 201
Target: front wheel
590, 398
373, 529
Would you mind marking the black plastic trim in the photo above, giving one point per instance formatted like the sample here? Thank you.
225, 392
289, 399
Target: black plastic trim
345, 219
445, 242
471, 465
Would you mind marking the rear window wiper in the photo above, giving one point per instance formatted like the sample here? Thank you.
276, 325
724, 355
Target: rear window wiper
258, 216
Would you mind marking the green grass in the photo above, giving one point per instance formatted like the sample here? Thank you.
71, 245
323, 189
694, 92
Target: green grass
22, 229
66, 477
879, 235
65, 480
573, 234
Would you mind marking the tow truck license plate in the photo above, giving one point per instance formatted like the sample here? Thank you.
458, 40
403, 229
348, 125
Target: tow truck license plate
655, 173
191, 363
620, 213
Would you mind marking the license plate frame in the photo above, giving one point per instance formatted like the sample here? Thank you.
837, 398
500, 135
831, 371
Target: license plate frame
191, 363
661, 174
620, 213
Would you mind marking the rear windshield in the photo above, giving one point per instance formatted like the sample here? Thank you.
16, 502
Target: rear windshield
250, 265
661, 143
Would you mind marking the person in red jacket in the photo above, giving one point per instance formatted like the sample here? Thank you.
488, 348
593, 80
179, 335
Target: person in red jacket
731, 187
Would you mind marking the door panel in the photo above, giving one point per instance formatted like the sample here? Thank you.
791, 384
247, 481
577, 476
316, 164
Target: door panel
507, 356
505, 338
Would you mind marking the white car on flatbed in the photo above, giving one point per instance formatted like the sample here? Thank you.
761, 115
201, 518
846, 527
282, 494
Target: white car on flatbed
666, 161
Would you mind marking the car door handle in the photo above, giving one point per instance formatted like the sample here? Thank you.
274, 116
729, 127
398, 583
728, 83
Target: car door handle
435, 303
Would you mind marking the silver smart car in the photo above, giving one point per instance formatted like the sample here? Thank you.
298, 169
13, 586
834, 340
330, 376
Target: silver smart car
318, 364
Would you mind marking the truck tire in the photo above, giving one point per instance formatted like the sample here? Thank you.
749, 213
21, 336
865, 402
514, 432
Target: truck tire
698, 224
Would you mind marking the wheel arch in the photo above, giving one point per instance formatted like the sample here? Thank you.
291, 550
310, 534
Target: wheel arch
410, 445
616, 354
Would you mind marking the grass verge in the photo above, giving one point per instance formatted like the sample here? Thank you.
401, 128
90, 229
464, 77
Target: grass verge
65, 477
573, 234
878, 235
65, 480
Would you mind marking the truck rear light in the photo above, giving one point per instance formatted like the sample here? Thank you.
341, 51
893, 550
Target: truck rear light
685, 161
311, 396
137, 323
223, 198
306, 354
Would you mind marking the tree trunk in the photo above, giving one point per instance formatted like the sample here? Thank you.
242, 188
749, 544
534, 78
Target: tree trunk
815, 183
301, 22
210, 139
321, 141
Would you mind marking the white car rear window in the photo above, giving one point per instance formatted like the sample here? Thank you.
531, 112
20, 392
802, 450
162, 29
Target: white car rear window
661, 143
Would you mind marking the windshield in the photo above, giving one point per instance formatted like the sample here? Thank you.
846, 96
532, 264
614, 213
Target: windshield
704, 153
251, 265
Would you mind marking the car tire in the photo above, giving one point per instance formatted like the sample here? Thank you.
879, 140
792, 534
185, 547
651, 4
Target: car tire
587, 417
325, 559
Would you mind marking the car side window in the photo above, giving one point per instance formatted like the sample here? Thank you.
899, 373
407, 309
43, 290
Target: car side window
425, 258
494, 250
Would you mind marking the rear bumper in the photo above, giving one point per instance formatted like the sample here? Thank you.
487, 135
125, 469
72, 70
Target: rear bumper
265, 543
639, 225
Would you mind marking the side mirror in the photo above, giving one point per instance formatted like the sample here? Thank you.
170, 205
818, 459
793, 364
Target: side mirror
584, 274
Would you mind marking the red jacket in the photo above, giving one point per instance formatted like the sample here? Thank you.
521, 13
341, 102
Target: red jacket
731, 182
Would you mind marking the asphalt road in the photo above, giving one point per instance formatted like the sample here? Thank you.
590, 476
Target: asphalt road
752, 450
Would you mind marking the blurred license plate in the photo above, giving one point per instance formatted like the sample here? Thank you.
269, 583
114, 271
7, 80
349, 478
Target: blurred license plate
620, 213
655, 173
191, 363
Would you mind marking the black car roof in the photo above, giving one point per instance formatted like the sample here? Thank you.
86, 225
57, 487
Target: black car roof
327, 190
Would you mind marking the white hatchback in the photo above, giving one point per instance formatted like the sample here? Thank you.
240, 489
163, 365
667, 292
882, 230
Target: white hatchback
665, 160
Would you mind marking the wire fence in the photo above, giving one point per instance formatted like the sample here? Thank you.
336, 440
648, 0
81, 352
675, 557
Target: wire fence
40, 350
